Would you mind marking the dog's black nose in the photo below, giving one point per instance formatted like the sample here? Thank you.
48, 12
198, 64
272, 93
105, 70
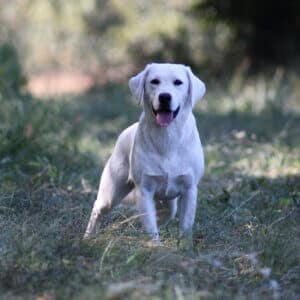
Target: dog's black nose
164, 99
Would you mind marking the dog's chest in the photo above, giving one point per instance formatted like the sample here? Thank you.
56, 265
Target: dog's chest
166, 186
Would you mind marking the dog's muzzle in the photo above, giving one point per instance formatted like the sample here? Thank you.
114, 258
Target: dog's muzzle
165, 116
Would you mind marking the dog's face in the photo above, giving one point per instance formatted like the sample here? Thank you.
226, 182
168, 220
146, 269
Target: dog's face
166, 88
166, 91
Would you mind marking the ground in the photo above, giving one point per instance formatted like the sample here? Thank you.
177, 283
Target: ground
246, 234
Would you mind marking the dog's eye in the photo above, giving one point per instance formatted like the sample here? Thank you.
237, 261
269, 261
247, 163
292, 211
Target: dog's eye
178, 82
155, 81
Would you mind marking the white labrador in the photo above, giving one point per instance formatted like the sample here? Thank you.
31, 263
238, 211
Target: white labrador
161, 156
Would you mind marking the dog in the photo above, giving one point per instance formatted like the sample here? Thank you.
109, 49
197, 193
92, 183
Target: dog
159, 158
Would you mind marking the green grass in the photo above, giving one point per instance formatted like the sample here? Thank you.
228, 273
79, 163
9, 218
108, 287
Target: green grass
246, 234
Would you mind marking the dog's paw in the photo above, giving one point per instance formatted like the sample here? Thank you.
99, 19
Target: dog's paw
153, 243
154, 240
87, 236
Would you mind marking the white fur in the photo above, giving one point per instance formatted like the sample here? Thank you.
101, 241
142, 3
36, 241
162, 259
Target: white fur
152, 162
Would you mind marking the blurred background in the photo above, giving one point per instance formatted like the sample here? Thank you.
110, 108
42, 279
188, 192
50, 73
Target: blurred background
64, 99
60, 44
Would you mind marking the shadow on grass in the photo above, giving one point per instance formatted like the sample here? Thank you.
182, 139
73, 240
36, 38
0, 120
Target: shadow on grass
269, 126
61, 135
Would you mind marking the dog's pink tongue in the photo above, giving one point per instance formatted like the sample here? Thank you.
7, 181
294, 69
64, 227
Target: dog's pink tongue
164, 118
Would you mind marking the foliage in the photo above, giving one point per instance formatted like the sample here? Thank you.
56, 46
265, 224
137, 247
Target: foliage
267, 30
97, 36
11, 77
246, 241
87, 35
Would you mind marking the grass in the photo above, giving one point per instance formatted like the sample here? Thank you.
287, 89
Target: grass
246, 234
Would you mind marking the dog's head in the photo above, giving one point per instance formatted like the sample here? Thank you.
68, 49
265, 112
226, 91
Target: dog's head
166, 90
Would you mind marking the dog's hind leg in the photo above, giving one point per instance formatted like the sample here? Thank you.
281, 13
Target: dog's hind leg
172, 208
113, 188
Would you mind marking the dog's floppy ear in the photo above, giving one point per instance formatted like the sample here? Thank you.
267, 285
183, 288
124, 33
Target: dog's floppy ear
137, 84
196, 87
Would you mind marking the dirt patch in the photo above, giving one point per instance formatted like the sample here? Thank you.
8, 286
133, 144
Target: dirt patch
53, 83
58, 83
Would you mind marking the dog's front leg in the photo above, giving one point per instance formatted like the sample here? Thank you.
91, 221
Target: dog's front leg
188, 205
148, 213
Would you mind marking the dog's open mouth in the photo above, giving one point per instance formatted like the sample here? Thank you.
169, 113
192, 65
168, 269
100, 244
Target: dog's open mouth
164, 117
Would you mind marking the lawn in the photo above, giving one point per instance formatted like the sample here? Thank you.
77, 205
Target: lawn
246, 234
